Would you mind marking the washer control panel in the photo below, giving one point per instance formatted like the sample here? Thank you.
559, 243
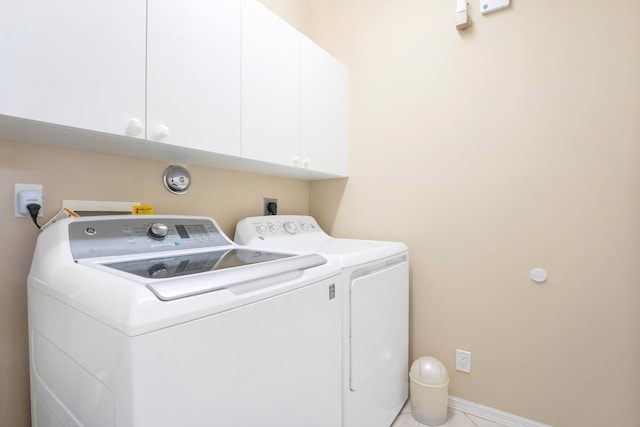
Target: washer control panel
126, 235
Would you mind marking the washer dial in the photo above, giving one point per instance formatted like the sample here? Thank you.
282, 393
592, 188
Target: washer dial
290, 227
158, 231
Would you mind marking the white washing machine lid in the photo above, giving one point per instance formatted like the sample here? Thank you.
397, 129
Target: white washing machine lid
181, 275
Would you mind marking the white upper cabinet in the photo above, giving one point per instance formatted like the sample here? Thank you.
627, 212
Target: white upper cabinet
75, 63
323, 110
294, 96
220, 83
270, 87
193, 74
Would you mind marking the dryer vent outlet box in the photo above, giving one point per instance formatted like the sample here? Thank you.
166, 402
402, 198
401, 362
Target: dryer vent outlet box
487, 6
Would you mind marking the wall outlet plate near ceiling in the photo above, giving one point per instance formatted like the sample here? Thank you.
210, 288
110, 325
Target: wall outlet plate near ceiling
487, 6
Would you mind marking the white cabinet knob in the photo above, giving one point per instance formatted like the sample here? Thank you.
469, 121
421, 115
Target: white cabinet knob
296, 160
306, 162
161, 132
134, 127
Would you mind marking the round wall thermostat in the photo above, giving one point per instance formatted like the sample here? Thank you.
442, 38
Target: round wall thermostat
177, 179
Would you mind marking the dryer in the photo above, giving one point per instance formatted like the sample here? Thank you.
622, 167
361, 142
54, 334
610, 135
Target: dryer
149, 321
375, 282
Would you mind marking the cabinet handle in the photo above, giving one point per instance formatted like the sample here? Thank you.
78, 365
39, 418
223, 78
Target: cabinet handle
134, 127
296, 160
306, 162
161, 132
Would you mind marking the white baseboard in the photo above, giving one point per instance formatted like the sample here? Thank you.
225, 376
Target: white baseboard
491, 414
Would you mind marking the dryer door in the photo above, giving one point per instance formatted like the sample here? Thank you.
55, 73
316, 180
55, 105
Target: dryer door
379, 323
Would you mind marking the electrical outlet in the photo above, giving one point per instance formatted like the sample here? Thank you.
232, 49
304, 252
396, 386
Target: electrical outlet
270, 206
463, 361
31, 191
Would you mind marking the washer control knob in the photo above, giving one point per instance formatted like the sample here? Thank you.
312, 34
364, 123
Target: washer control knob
158, 231
261, 229
290, 227
305, 226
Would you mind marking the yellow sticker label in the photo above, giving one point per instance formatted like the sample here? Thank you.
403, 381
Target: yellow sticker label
142, 210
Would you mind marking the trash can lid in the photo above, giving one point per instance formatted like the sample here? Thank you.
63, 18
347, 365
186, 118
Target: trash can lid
429, 371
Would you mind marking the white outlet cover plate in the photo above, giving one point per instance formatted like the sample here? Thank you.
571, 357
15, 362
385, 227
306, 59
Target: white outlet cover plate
17, 188
463, 361
487, 6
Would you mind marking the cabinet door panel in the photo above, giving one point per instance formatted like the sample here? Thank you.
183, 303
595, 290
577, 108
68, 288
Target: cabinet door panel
323, 110
73, 62
270, 86
193, 74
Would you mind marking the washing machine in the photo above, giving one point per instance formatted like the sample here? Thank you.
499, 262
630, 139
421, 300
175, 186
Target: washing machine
150, 321
375, 282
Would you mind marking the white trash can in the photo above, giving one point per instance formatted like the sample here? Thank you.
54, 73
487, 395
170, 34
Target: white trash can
429, 391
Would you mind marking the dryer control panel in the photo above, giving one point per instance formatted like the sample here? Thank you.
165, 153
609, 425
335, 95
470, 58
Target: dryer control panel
126, 235
270, 226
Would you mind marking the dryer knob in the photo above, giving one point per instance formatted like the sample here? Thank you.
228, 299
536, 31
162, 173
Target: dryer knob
290, 227
158, 231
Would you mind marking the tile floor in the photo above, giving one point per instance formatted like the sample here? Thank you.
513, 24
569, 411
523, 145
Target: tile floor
454, 419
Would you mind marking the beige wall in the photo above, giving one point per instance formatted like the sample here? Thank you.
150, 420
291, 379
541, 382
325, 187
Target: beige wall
512, 145
295, 12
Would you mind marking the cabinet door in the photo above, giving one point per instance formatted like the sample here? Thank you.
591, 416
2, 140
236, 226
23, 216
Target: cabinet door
73, 62
270, 87
323, 110
193, 74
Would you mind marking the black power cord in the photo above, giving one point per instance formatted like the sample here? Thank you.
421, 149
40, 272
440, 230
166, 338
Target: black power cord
272, 208
34, 209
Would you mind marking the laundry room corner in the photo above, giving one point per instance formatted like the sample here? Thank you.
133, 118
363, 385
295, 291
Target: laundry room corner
502, 159
494, 152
